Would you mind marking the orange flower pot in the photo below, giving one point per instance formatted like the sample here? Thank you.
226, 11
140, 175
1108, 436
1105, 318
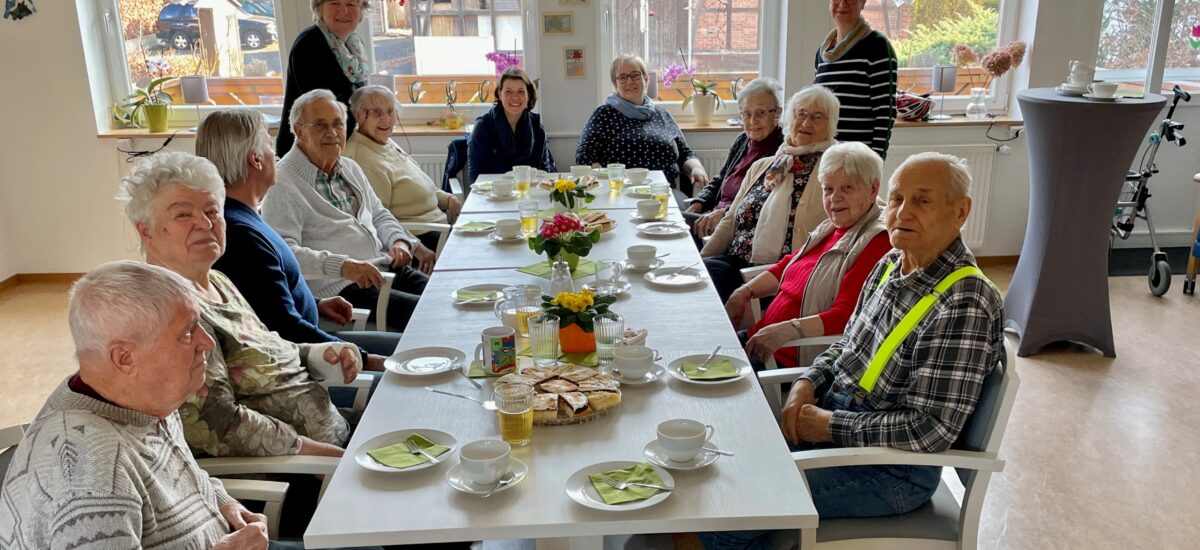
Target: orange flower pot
572, 339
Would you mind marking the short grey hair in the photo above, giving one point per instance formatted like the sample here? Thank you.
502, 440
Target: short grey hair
123, 300
637, 61
855, 159
227, 136
960, 173
316, 8
764, 85
817, 97
359, 97
149, 176
296, 115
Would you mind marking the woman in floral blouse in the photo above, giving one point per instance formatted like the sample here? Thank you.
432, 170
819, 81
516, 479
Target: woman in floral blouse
772, 213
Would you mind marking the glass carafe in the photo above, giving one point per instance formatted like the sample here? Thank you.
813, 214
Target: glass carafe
519, 304
560, 278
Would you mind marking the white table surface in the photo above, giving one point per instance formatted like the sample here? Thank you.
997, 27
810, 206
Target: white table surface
606, 199
760, 488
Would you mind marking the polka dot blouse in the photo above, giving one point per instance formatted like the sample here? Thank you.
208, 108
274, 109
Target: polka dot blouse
655, 144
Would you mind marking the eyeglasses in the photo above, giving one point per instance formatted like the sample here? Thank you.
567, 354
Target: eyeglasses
380, 113
816, 118
758, 113
623, 78
338, 126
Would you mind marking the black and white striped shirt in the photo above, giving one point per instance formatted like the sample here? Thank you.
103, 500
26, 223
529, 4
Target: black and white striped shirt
864, 81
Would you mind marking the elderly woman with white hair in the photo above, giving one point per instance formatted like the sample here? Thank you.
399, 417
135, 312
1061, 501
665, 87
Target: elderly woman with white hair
405, 190
817, 285
772, 213
760, 104
258, 398
328, 55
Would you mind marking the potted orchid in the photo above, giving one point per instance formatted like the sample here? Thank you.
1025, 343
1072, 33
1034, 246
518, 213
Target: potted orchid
704, 94
568, 193
151, 101
577, 312
564, 238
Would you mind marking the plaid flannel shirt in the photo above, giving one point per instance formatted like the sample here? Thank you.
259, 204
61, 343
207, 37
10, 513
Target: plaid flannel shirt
930, 386
335, 190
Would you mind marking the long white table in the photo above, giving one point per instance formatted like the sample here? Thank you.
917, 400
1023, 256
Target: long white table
760, 488
606, 199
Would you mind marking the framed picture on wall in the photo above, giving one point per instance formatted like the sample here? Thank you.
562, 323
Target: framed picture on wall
558, 23
572, 2
574, 62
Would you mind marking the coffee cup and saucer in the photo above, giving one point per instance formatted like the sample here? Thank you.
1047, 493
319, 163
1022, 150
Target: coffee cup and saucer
1102, 91
485, 467
636, 365
682, 444
502, 190
508, 231
641, 257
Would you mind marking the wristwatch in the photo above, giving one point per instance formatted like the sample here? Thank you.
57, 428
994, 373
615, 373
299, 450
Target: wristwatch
796, 325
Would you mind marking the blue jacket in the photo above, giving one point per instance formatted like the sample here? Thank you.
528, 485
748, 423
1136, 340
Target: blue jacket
494, 149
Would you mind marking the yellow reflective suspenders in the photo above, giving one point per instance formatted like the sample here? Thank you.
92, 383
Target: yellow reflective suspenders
909, 321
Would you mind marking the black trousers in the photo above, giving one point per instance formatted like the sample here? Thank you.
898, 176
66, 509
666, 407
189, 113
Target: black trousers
406, 291
726, 274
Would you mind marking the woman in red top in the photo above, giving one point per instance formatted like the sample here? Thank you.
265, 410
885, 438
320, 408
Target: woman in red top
818, 285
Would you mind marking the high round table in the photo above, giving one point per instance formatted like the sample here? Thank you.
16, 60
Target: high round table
1079, 152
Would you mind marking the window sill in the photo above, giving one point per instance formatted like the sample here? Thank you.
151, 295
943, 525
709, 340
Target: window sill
957, 120
416, 130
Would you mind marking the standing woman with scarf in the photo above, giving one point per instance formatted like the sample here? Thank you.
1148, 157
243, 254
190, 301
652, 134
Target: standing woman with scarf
510, 134
327, 55
630, 130
859, 65
774, 210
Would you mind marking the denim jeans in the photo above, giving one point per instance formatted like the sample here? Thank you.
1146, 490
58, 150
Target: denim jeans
848, 491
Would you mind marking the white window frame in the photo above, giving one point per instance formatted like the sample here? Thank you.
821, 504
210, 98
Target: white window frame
1001, 88
1156, 71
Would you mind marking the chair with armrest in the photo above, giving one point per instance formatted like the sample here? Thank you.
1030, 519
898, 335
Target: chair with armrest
442, 229
358, 319
945, 522
10, 437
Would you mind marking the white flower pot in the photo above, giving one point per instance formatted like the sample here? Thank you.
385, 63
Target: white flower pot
703, 106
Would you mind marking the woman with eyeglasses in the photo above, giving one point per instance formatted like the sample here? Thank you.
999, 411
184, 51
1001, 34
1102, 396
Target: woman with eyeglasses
629, 129
858, 65
760, 104
774, 210
403, 188
510, 134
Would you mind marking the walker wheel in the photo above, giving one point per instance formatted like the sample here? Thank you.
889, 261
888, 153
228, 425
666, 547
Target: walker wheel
1160, 277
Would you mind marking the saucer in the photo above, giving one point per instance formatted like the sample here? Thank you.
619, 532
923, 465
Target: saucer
639, 191
494, 197
1109, 99
636, 218
507, 240
663, 229
457, 478
497, 291
675, 278
675, 369
1073, 92
655, 372
625, 265
622, 288
655, 454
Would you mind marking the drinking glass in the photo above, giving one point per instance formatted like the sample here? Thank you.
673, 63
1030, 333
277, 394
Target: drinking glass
529, 217
608, 277
514, 407
616, 176
518, 305
610, 328
543, 339
522, 175
661, 193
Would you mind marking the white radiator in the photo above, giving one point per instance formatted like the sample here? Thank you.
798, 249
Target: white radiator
432, 165
979, 160
711, 159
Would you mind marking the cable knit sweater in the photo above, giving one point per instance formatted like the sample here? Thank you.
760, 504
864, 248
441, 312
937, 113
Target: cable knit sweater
89, 474
320, 235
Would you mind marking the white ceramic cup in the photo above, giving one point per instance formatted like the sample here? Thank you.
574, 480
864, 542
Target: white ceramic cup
642, 255
636, 176
633, 361
503, 188
648, 209
579, 171
1103, 89
509, 229
485, 461
681, 439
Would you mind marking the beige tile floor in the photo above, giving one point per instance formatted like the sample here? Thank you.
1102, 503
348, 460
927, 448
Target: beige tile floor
1101, 452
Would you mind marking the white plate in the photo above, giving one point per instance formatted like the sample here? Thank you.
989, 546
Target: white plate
424, 361
625, 265
675, 369
494, 197
600, 173
1066, 90
456, 478
639, 191
622, 288
1101, 99
483, 186
655, 454
655, 372
506, 240
391, 438
490, 228
580, 489
636, 218
487, 287
674, 278
662, 229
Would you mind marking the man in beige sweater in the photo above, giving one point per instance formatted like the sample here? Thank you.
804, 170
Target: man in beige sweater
104, 464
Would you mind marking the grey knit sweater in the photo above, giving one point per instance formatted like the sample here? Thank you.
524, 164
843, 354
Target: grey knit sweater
321, 235
92, 475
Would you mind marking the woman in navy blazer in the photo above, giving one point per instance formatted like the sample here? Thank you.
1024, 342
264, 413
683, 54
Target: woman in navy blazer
510, 134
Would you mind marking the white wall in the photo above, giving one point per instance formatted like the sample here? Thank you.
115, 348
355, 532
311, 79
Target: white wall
8, 260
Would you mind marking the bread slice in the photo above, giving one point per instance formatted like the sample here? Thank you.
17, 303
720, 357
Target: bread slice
599, 383
577, 404
517, 379
558, 386
579, 374
537, 373
600, 400
545, 407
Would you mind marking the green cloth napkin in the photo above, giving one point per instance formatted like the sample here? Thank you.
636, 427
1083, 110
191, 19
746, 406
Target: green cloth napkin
718, 369
640, 473
542, 269
641, 191
482, 185
477, 295
477, 226
397, 456
582, 359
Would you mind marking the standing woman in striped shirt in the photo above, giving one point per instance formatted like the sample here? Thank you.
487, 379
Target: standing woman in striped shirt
859, 65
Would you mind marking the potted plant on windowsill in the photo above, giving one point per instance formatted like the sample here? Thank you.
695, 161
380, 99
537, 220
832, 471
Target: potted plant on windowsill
150, 105
577, 312
704, 98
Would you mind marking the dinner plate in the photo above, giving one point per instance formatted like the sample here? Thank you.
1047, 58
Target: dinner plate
622, 288
580, 489
600, 173
494, 197
506, 240
482, 186
658, 457
457, 478
637, 218
674, 278
653, 374
497, 291
662, 229
424, 361
675, 369
391, 438
482, 231
639, 191
626, 266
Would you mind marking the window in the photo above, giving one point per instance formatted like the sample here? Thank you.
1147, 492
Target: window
1183, 48
237, 49
436, 42
720, 38
1129, 28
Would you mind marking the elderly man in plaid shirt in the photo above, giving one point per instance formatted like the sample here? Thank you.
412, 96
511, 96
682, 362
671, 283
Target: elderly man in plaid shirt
919, 395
